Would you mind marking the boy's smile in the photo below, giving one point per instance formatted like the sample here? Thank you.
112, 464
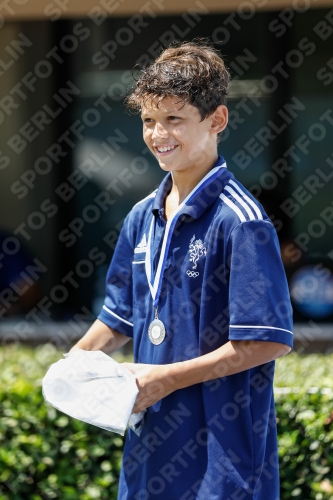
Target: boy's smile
165, 150
178, 137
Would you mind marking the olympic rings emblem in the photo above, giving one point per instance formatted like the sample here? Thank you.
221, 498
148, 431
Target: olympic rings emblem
192, 274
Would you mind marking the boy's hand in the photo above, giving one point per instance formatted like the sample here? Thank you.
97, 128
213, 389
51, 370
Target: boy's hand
153, 382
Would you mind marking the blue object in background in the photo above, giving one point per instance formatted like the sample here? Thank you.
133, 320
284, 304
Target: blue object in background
311, 290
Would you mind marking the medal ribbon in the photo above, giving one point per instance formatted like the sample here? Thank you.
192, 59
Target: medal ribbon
155, 283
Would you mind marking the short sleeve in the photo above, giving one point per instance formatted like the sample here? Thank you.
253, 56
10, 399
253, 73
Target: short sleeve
117, 311
259, 300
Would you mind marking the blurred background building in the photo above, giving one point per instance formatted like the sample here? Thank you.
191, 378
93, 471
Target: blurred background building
73, 163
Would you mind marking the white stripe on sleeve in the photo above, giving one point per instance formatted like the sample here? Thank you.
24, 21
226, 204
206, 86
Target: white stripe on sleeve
241, 201
247, 198
116, 316
233, 207
264, 327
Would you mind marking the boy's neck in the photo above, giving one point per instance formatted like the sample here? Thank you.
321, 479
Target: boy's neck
183, 182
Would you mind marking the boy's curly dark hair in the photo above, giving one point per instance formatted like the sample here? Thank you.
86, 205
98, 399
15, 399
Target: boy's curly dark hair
193, 72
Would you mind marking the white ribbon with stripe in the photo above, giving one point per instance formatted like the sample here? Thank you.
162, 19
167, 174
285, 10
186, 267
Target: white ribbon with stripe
156, 282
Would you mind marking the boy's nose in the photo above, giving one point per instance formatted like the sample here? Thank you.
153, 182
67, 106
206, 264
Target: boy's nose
159, 131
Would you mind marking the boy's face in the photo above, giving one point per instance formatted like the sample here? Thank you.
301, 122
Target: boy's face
177, 137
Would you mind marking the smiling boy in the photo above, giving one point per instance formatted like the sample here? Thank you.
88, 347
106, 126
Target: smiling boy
197, 282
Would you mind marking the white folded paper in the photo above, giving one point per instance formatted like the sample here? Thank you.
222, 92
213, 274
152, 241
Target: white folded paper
94, 388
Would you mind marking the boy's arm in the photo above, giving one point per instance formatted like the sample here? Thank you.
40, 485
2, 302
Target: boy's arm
157, 381
101, 337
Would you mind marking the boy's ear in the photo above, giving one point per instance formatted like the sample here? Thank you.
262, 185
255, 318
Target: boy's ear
219, 119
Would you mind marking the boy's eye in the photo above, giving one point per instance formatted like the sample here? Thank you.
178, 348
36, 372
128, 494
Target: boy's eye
147, 121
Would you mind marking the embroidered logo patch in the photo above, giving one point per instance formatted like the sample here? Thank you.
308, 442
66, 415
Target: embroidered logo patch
142, 246
197, 250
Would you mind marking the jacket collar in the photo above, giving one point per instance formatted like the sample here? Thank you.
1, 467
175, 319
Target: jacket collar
202, 196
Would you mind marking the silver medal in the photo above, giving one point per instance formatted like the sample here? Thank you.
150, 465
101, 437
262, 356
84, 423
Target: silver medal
156, 331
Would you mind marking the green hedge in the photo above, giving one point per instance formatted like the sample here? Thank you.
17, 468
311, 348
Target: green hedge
43, 453
46, 455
